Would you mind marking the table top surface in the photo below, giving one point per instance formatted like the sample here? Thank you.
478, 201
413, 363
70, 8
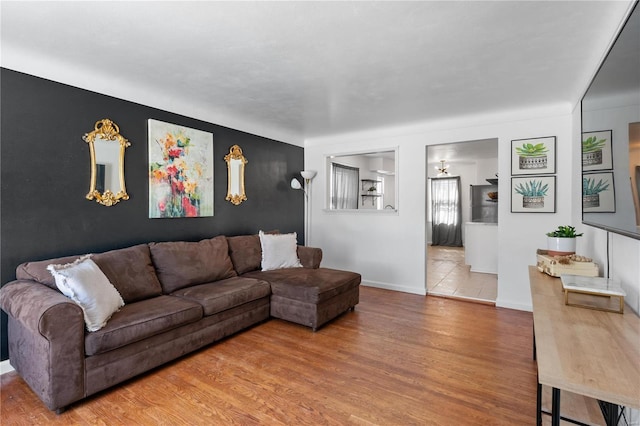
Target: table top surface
584, 351
595, 285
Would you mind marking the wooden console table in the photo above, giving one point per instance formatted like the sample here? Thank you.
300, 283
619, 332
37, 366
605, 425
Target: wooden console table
584, 351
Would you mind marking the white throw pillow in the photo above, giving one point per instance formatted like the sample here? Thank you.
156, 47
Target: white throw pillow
83, 282
279, 251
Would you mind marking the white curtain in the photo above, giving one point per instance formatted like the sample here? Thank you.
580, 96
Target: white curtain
345, 187
446, 212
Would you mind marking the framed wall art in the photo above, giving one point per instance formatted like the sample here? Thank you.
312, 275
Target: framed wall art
596, 150
533, 194
598, 193
535, 156
180, 171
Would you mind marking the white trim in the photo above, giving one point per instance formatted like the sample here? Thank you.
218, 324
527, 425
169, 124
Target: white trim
386, 286
5, 367
512, 305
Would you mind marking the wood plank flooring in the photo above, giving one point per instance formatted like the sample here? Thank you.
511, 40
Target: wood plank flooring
399, 359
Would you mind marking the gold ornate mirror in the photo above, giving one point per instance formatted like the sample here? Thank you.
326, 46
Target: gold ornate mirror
235, 175
107, 146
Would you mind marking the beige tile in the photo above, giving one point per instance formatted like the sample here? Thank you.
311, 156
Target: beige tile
450, 284
488, 293
448, 275
468, 292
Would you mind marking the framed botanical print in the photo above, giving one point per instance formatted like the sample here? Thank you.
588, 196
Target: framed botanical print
535, 156
598, 193
596, 150
533, 194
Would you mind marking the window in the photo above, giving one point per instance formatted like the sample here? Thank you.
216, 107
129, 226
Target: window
349, 174
344, 186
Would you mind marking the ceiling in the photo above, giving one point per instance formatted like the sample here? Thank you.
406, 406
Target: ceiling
467, 152
293, 71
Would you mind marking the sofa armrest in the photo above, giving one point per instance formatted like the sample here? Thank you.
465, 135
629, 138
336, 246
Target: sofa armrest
46, 341
39, 308
310, 257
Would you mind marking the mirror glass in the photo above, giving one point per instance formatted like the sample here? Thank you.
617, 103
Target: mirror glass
235, 175
107, 147
611, 137
362, 181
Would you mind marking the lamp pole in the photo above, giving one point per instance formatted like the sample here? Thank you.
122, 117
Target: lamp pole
307, 175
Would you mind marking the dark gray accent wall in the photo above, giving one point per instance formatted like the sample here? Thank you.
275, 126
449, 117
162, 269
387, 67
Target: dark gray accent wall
44, 172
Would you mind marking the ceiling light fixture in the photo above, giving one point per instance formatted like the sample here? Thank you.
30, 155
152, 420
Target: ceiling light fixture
442, 170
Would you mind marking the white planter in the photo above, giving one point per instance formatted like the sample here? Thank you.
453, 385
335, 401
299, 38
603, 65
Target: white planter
557, 246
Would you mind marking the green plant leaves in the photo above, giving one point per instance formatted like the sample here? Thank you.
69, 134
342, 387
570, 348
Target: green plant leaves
533, 188
591, 187
564, 232
531, 150
592, 144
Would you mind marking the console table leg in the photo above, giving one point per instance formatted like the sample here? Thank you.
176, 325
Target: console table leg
555, 407
539, 406
609, 412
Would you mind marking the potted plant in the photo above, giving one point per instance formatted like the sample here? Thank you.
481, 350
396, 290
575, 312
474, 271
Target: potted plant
591, 191
592, 151
532, 156
533, 193
562, 241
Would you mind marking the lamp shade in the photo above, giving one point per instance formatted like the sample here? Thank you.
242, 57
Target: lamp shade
308, 174
295, 184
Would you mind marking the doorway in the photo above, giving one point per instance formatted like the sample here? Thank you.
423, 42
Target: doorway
466, 270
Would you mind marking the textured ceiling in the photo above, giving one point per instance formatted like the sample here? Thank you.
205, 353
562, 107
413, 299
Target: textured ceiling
297, 70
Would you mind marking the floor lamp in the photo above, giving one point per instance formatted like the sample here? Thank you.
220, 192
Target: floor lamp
307, 175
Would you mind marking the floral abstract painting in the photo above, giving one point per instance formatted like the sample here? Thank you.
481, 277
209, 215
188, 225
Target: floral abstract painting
180, 171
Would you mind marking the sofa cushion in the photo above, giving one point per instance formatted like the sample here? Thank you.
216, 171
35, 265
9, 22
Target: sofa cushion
131, 271
310, 257
83, 282
226, 294
308, 285
279, 251
37, 271
181, 264
140, 320
246, 252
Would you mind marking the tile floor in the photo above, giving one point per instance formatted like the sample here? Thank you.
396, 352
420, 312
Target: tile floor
447, 275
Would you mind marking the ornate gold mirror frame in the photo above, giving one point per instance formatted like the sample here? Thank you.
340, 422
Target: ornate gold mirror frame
107, 146
235, 175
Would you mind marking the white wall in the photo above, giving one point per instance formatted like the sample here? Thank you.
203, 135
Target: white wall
389, 250
486, 168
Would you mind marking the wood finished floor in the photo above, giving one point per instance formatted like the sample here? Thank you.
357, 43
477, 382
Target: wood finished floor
399, 359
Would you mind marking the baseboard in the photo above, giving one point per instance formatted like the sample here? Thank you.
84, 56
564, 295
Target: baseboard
511, 305
5, 367
484, 271
386, 286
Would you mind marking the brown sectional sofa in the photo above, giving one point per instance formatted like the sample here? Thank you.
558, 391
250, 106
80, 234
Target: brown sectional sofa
179, 297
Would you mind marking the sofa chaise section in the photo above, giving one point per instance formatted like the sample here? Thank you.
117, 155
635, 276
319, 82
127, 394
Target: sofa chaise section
311, 295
